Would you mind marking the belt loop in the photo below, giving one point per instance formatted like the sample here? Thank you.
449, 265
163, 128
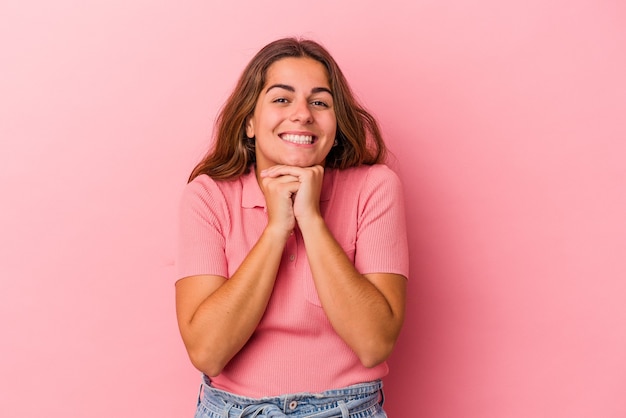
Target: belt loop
344, 409
200, 393
226, 410
381, 397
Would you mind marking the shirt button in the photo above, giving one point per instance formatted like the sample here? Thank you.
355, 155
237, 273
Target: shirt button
292, 257
292, 405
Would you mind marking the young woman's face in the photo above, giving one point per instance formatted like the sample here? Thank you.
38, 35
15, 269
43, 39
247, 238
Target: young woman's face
294, 119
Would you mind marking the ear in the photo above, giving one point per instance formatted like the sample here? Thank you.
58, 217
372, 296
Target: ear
249, 127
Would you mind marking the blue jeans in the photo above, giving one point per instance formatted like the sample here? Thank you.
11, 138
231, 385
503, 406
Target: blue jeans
364, 400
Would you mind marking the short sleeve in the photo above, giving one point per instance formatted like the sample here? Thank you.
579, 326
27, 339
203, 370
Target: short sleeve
203, 218
382, 244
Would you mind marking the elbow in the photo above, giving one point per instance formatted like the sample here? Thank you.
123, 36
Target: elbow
206, 363
371, 362
375, 354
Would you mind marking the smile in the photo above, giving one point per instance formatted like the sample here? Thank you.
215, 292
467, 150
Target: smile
298, 139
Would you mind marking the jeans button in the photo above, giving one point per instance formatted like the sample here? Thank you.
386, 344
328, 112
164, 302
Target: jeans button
292, 405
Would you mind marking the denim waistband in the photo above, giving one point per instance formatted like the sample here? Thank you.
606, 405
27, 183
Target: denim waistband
351, 401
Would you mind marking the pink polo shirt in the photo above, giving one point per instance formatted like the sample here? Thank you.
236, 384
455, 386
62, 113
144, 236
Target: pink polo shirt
294, 348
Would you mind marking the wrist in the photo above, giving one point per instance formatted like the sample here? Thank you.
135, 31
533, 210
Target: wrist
310, 222
278, 234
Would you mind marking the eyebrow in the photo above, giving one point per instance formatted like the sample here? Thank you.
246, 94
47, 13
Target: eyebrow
291, 89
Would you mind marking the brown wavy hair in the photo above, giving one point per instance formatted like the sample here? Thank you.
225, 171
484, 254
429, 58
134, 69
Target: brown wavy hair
359, 140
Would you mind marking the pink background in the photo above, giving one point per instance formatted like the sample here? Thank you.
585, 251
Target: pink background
507, 122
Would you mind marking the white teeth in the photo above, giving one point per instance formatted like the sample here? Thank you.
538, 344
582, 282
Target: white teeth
298, 139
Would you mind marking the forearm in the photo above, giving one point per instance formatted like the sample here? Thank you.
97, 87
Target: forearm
225, 320
366, 318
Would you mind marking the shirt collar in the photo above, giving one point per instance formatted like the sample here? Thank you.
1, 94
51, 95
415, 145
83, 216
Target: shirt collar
252, 196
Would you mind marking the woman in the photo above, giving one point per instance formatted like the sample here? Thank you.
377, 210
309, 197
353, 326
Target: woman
293, 252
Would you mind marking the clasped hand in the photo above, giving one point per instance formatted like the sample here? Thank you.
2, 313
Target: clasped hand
292, 194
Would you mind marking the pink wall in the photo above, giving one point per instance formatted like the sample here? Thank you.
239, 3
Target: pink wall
507, 120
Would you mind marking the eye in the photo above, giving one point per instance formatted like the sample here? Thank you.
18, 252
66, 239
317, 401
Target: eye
319, 103
280, 100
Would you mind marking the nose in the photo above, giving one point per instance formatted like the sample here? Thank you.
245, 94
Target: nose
301, 112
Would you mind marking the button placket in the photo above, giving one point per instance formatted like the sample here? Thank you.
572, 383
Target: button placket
292, 248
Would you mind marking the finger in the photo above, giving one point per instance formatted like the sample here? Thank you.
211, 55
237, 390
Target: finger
285, 185
280, 180
282, 170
